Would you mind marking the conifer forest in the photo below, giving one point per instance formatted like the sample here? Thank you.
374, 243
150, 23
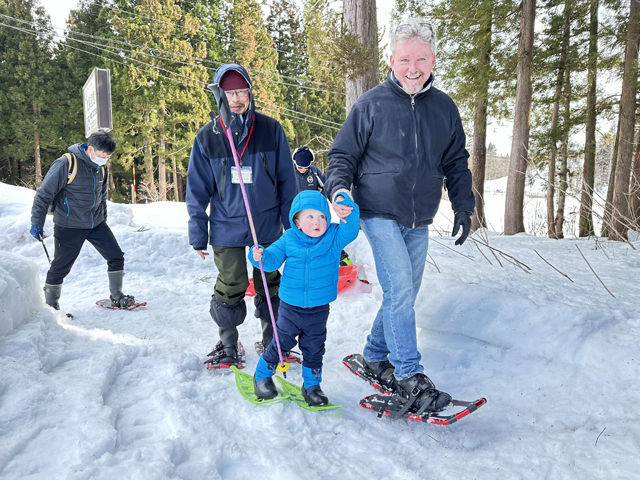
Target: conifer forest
563, 73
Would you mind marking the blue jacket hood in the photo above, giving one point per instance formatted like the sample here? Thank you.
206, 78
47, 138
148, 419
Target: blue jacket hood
310, 199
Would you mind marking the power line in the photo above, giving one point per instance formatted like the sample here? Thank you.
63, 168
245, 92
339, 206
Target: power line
181, 55
203, 84
206, 33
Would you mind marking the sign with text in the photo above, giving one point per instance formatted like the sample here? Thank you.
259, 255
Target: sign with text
96, 95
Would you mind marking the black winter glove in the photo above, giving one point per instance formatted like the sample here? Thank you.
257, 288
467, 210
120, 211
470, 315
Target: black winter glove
462, 219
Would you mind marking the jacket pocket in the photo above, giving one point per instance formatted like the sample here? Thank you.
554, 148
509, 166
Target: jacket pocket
223, 180
266, 169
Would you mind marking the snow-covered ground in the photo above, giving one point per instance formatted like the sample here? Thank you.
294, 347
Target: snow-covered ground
125, 395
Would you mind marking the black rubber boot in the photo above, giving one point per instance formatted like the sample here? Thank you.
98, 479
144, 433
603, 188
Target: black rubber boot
315, 397
52, 295
382, 372
118, 299
265, 389
262, 312
421, 396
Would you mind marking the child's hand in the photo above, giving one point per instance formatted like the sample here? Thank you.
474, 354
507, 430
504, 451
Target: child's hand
257, 254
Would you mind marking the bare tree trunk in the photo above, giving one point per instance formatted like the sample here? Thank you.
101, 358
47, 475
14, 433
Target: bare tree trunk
147, 154
514, 205
480, 124
36, 141
634, 192
174, 178
588, 171
608, 207
360, 19
111, 185
620, 211
162, 171
553, 152
562, 176
180, 189
566, 126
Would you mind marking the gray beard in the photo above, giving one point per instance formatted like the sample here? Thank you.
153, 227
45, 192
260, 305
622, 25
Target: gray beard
413, 90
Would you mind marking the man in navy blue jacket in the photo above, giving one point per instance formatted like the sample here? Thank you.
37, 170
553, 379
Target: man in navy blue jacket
401, 141
213, 182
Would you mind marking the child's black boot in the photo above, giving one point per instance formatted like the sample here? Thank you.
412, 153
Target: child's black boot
311, 390
263, 385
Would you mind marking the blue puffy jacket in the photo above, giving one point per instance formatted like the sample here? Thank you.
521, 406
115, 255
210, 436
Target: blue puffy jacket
311, 271
263, 146
396, 150
79, 204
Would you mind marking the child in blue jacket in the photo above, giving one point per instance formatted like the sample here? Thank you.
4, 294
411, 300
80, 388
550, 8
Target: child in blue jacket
309, 283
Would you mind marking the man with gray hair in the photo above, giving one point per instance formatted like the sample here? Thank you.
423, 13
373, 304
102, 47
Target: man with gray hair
400, 142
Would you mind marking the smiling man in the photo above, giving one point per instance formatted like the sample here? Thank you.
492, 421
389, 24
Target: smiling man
400, 142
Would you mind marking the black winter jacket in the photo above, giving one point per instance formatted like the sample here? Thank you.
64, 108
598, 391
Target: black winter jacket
312, 179
396, 150
79, 204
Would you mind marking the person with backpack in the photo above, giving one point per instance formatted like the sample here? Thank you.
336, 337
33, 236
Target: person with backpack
76, 188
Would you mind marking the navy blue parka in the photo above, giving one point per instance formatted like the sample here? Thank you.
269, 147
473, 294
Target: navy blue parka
396, 150
264, 150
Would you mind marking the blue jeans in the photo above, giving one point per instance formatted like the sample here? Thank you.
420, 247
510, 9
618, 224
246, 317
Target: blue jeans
400, 254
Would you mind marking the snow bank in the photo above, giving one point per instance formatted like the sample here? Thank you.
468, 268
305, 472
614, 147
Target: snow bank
19, 291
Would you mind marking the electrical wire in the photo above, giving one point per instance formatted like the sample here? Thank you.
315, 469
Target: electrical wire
112, 40
173, 79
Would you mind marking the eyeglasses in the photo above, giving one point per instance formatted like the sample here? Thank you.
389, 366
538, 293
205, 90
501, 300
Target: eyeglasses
406, 26
240, 93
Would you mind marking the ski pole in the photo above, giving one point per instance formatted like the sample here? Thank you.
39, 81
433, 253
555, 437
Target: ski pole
283, 367
45, 250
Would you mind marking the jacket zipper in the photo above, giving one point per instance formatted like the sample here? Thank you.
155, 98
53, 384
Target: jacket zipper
415, 131
67, 204
223, 177
266, 168
94, 195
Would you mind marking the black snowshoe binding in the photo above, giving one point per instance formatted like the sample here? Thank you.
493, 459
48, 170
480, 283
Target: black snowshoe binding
378, 374
290, 356
222, 357
315, 397
416, 396
421, 395
124, 301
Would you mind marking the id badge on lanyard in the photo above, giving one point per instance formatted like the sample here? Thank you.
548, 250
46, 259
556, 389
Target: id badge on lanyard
247, 175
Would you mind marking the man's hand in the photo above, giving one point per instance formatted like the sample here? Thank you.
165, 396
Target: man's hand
203, 253
462, 219
342, 211
257, 254
37, 232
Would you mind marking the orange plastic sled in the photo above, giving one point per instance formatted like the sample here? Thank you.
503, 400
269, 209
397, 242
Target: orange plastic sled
348, 277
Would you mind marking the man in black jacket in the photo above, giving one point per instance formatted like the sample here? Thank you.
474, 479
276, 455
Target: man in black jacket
400, 142
76, 187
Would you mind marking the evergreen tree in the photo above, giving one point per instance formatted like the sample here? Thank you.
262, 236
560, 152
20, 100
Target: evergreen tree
28, 80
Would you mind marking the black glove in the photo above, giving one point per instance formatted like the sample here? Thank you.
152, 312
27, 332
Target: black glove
462, 219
